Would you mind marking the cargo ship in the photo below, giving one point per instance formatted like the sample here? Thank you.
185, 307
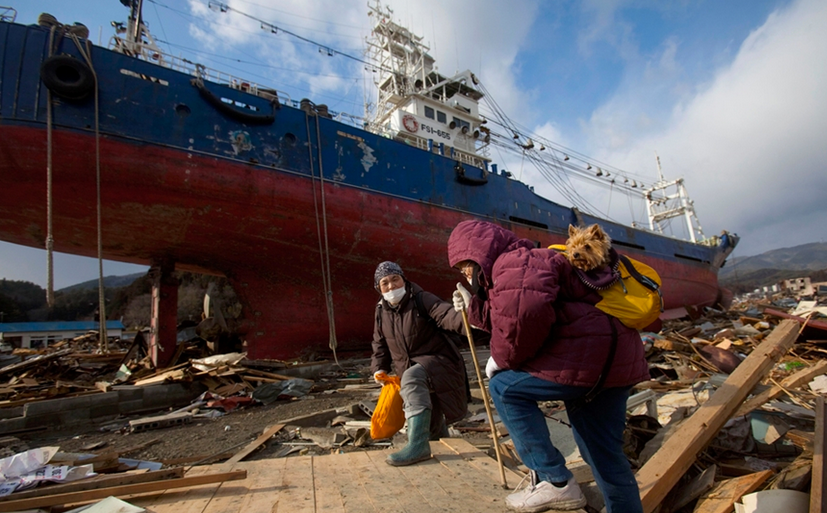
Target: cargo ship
129, 154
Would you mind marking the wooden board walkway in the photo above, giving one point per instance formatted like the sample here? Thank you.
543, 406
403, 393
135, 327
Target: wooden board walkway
458, 478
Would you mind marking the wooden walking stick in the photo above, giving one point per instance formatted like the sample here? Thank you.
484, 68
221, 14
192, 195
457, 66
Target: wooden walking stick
494, 434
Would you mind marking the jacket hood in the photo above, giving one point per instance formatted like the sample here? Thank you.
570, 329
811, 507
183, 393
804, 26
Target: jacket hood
482, 242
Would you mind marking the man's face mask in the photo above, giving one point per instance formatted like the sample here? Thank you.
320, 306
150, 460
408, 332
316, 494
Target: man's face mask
394, 296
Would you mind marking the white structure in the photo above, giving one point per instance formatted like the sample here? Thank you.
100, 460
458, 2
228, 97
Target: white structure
36, 335
415, 103
798, 286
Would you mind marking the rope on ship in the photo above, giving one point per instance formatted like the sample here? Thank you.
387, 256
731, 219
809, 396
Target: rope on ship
50, 240
87, 53
75, 85
321, 230
73, 80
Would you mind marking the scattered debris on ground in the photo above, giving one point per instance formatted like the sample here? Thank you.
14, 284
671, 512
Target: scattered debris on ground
734, 410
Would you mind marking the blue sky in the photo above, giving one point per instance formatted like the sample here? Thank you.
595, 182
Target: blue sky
730, 94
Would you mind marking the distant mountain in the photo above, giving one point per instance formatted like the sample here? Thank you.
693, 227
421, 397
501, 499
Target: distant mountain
807, 257
109, 282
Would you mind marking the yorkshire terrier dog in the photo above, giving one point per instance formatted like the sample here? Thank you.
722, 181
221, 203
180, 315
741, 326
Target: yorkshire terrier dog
588, 248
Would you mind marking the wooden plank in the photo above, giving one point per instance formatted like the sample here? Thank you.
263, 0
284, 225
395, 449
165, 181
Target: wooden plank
97, 482
391, 482
296, 494
102, 493
380, 489
722, 498
801, 377
422, 482
437, 488
256, 372
329, 474
658, 475
336, 482
262, 484
487, 490
255, 444
818, 484
191, 499
35, 360
230, 495
479, 460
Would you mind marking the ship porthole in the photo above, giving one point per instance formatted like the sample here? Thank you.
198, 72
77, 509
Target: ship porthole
67, 77
182, 110
290, 139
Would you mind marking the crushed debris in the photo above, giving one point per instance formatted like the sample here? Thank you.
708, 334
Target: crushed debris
734, 408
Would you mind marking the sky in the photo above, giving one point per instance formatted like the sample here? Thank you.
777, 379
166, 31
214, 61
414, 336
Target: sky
729, 95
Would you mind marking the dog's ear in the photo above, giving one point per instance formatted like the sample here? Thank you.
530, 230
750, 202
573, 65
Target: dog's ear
572, 230
596, 233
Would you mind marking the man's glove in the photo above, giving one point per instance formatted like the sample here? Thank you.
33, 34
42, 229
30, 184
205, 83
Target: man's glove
461, 297
491, 367
379, 377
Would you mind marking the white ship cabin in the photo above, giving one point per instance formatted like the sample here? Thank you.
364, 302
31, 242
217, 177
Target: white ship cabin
418, 105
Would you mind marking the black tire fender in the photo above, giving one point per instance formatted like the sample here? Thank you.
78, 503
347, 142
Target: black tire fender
238, 114
67, 76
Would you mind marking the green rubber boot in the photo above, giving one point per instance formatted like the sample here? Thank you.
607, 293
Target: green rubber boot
418, 448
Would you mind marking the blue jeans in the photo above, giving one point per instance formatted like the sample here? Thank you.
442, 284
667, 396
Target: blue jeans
597, 427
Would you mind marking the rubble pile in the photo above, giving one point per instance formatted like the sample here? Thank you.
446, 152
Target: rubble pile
734, 406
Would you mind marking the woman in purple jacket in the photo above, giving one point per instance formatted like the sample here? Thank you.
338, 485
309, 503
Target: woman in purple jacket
550, 343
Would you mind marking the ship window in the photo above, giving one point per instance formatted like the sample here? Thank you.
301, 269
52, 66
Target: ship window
429, 112
440, 116
460, 123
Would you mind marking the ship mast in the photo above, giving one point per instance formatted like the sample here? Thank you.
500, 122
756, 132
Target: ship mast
135, 23
402, 62
137, 40
662, 206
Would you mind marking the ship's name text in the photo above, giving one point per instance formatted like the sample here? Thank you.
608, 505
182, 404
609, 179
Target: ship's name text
436, 131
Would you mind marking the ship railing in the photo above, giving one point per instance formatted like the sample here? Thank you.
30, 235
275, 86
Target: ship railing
424, 144
155, 56
8, 14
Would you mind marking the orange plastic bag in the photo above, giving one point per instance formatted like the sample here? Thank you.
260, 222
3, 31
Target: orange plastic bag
388, 417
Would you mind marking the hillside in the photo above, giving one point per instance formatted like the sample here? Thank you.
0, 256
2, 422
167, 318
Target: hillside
807, 257
745, 274
109, 282
127, 298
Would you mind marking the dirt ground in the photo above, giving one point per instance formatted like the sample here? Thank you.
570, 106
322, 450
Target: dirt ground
208, 438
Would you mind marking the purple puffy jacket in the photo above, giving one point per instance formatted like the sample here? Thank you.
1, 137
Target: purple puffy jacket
541, 316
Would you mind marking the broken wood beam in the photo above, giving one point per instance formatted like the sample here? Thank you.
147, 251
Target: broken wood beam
34, 361
96, 482
663, 470
722, 498
801, 377
256, 372
129, 489
255, 444
818, 483
821, 325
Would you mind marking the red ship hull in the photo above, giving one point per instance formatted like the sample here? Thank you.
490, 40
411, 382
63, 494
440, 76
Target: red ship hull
256, 226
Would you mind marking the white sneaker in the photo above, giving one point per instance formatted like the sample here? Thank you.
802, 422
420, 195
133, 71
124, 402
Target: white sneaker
543, 496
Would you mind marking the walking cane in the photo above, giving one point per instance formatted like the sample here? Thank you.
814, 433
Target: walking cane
494, 434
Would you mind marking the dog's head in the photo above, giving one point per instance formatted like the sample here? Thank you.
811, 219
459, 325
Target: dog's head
587, 248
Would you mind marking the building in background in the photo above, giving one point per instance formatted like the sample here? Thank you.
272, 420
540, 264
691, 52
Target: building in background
36, 335
798, 286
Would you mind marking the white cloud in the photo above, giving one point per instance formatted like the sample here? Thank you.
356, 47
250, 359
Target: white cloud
750, 142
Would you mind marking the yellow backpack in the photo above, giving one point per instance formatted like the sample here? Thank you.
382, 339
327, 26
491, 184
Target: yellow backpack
635, 299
